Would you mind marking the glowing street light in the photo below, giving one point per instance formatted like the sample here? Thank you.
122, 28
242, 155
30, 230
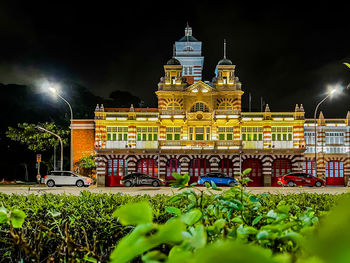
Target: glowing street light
332, 90
54, 91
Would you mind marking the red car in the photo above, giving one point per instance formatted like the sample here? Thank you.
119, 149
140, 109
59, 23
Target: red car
294, 179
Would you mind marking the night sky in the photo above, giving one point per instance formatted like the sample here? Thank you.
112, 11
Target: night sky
286, 54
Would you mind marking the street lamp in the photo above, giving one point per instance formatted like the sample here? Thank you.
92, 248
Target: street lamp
55, 91
44, 130
330, 93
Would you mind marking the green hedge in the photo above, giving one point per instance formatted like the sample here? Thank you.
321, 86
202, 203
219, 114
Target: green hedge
71, 228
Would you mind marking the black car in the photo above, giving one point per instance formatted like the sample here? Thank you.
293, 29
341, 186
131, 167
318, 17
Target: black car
135, 179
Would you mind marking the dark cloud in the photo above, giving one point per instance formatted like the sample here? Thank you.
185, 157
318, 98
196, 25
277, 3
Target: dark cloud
285, 53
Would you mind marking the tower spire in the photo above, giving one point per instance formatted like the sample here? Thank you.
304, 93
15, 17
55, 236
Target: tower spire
224, 48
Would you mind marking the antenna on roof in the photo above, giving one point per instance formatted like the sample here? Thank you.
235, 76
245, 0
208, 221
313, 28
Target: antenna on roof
224, 48
187, 31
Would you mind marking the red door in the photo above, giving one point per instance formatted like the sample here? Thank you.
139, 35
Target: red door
172, 166
280, 167
198, 167
335, 173
147, 166
256, 172
226, 167
116, 169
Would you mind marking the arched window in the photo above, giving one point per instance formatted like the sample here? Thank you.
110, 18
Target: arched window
225, 106
199, 106
173, 106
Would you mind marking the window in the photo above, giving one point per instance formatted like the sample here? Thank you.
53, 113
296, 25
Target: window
147, 133
252, 133
199, 133
188, 48
225, 106
173, 106
282, 133
225, 133
334, 138
117, 133
199, 106
173, 133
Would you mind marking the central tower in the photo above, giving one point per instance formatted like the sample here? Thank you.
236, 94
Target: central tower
189, 53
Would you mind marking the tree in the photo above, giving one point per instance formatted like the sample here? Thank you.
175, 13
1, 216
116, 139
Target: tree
36, 140
87, 163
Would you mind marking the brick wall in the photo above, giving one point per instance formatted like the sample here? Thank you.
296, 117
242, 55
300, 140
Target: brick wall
83, 135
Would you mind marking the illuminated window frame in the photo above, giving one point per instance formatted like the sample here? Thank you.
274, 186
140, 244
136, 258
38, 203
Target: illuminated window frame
147, 133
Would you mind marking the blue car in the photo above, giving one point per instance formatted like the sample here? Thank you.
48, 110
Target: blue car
218, 179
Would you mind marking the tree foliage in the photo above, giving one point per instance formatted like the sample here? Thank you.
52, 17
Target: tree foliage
87, 162
36, 140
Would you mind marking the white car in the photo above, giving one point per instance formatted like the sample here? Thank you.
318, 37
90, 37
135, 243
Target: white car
65, 178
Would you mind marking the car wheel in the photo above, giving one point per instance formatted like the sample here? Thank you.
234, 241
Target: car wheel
291, 184
127, 183
318, 184
232, 184
50, 183
80, 183
155, 184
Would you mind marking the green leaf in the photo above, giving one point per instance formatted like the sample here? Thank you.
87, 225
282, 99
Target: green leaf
173, 210
220, 223
237, 219
263, 234
347, 64
17, 218
199, 237
246, 171
192, 217
146, 237
253, 198
134, 213
3, 215
229, 251
153, 256
256, 220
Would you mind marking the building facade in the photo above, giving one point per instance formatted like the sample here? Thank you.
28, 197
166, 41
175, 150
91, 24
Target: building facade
199, 127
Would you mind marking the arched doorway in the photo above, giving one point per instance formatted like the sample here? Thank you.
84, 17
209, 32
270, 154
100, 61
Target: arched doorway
226, 167
256, 172
147, 166
172, 166
280, 167
198, 167
116, 170
335, 173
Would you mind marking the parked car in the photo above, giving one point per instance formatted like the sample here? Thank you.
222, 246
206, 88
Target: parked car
135, 179
218, 179
58, 178
304, 179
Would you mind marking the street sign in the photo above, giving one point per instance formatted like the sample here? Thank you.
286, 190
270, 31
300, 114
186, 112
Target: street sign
38, 158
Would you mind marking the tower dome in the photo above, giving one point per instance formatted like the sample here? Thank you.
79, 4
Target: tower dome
173, 61
225, 61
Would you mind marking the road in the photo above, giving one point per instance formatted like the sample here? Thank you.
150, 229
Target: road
160, 190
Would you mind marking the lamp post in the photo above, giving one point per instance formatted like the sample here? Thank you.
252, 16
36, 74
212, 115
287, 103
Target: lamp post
54, 91
315, 120
43, 129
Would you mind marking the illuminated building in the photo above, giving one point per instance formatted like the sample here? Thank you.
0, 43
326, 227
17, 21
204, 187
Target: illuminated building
199, 128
